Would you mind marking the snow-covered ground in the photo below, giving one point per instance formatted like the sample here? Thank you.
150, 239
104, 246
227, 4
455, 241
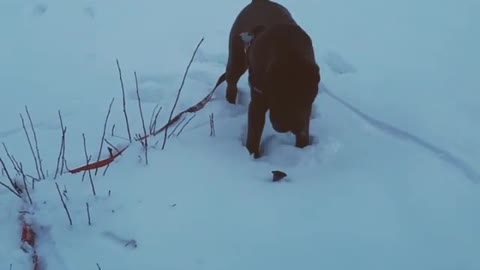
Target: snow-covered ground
358, 198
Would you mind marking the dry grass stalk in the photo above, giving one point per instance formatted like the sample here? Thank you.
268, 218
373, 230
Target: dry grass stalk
25, 184
64, 205
104, 131
61, 154
145, 144
87, 158
31, 148
183, 127
36, 143
179, 91
124, 102
212, 126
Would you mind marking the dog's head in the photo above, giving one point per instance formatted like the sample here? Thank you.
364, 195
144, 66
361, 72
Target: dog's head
291, 86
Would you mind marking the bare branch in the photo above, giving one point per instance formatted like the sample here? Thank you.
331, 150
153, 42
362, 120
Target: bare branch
61, 157
31, 148
104, 131
14, 185
179, 91
36, 143
143, 121
191, 118
10, 189
111, 145
124, 102
176, 127
64, 205
25, 184
12, 159
88, 214
154, 119
212, 126
88, 161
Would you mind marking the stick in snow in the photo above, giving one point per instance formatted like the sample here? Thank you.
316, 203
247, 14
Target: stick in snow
181, 130
104, 131
88, 160
61, 155
180, 90
212, 126
64, 205
143, 121
31, 148
88, 215
25, 183
36, 142
124, 102
14, 185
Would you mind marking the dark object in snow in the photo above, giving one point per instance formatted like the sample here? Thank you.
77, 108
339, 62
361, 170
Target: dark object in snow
283, 74
278, 175
132, 243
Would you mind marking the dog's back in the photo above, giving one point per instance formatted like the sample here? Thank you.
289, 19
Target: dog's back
258, 13
281, 44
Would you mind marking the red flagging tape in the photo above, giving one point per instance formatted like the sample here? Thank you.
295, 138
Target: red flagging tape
98, 164
195, 108
28, 238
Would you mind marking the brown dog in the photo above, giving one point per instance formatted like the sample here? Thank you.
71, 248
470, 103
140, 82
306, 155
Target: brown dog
283, 74
284, 79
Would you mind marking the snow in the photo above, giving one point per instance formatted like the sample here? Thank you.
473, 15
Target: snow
358, 198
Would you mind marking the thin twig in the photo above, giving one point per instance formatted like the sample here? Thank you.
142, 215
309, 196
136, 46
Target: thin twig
111, 155
176, 127
64, 162
88, 162
98, 266
14, 163
111, 145
212, 125
64, 205
124, 102
154, 119
141, 116
113, 130
25, 184
65, 192
36, 142
88, 214
10, 189
191, 118
179, 92
59, 169
14, 185
31, 148
104, 131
